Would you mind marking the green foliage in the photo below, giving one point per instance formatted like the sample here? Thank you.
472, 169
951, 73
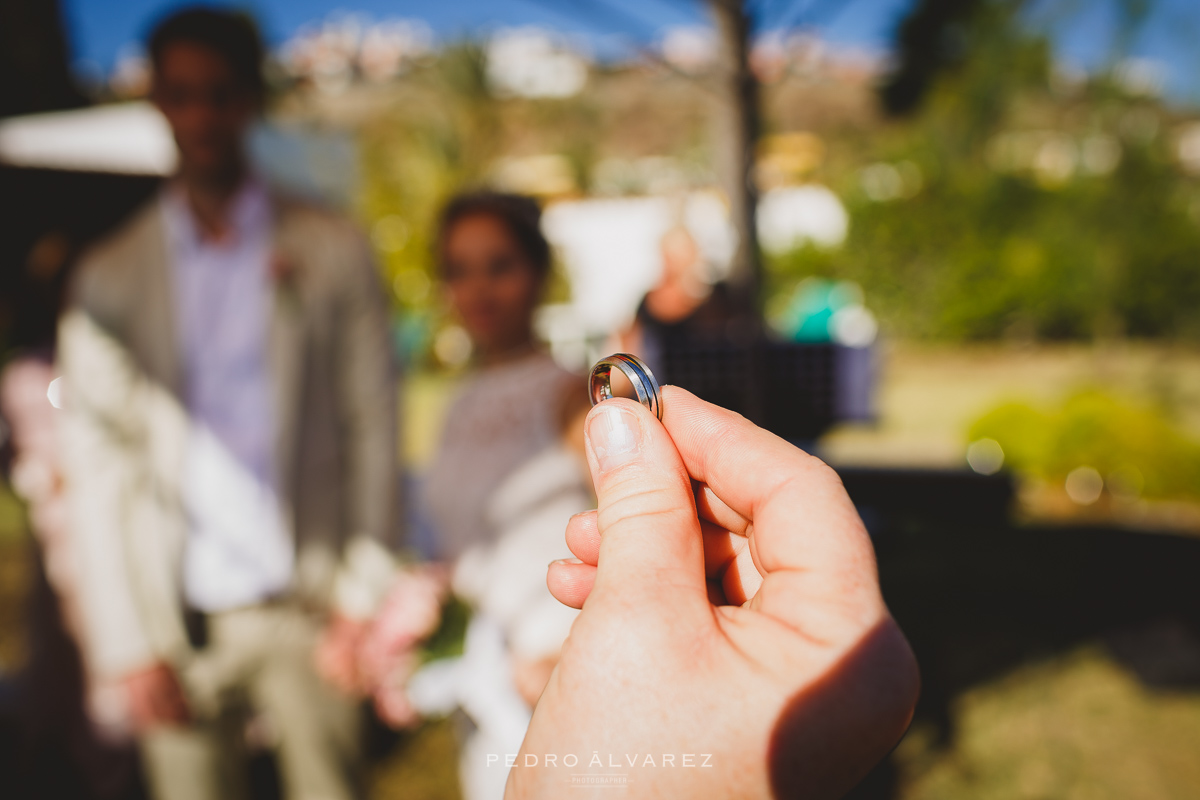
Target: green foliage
447, 640
1137, 449
439, 131
1039, 211
437, 136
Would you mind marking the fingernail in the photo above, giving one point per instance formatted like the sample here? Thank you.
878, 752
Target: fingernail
565, 561
615, 436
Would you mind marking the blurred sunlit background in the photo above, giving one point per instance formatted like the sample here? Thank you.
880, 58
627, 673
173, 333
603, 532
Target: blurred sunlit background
998, 199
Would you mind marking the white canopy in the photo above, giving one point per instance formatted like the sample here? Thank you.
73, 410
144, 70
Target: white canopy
126, 138
134, 139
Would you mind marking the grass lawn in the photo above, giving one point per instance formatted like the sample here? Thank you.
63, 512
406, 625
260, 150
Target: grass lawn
1073, 727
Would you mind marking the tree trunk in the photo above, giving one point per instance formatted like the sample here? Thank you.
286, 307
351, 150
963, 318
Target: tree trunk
736, 126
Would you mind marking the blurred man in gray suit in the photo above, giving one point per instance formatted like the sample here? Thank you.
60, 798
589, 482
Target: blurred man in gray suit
230, 443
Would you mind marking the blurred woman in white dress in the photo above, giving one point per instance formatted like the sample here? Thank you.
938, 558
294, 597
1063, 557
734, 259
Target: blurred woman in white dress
507, 476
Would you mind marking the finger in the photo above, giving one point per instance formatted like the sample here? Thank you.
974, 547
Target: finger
712, 508
570, 581
720, 548
796, 512
583, 537
650, 543
727, 559
715, 595
742, 580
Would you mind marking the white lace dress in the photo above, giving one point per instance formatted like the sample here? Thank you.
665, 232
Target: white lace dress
499, 494
503, 416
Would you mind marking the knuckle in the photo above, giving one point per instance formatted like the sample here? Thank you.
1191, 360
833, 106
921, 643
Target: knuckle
643, 502
822, 472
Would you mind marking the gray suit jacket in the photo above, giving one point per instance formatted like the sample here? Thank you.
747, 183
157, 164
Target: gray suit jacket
124, 428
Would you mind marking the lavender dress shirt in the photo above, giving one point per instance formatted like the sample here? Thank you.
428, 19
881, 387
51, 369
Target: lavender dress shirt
239, 550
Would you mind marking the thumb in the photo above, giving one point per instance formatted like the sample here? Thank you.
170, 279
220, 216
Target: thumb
650, 540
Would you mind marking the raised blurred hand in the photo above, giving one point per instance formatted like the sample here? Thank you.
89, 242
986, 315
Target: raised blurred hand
376, 657
731, 611
337, 653
155, 697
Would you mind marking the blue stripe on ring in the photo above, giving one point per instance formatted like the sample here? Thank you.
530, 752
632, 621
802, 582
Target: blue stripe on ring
646, 378
636, 371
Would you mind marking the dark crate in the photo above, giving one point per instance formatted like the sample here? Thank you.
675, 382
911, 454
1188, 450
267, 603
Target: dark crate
795, 390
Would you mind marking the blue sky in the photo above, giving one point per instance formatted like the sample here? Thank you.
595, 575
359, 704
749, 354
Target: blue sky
1083, 30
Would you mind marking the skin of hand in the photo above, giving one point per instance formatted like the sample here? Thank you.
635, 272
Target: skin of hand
336, 654
531, 675
155, 697
731, 611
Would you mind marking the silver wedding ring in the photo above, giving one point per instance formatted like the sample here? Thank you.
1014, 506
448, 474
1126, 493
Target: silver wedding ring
648, 392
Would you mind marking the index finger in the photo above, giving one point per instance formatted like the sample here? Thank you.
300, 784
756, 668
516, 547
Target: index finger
800, 517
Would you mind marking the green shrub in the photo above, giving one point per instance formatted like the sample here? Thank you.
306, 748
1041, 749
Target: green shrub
1137, 449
